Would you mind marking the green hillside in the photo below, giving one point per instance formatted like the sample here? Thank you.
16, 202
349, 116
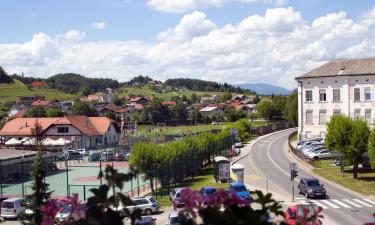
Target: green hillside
146, 91
10, 92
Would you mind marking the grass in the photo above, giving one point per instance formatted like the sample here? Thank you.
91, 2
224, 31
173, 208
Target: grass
150, 130
148, 92
11, 92
204, 180
294, 137
365, 184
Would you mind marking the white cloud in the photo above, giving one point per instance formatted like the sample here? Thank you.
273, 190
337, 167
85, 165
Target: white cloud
178, 6
98, 25
74, 35
272, 48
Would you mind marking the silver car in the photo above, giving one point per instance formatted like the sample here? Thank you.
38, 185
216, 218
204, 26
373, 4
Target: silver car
148, 205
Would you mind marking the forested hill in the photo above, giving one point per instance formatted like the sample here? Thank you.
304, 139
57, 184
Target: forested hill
202, 85
4, 77
73, 83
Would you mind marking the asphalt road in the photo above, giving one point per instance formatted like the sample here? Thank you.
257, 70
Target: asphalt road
270, 158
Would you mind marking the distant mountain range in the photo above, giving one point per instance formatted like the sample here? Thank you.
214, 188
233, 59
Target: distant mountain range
265, 89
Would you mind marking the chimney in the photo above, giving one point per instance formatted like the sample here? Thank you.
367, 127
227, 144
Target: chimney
26, 124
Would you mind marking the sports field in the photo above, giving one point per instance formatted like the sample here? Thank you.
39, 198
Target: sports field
81, 176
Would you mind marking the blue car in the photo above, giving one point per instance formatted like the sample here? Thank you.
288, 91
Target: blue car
207, 191
240, 189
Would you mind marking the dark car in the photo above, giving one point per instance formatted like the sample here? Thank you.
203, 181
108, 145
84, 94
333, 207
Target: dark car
119, 157
94, 157
311, 187
74, 155
145, 220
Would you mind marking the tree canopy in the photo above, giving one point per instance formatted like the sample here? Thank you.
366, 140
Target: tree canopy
4, 77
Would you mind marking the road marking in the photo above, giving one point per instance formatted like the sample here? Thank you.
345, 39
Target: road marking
341, 203
300, 198
319, 204
369, 200
327, 202
362, 202
352, 203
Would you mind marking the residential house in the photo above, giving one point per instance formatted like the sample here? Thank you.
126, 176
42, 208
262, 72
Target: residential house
46, 103
339, 87
212, 111
139, 100
30, 99
209, 99
169, 104
101, 109
65, 106
39, 84
15, 109
85, 132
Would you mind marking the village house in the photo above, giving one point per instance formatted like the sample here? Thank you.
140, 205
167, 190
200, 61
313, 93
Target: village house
27, 100
46, 104
209, 99
84, 132
339, 87
212, 111
139, 100
39, 84
169, 103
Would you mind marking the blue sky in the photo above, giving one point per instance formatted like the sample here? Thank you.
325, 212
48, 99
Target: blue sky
215, 40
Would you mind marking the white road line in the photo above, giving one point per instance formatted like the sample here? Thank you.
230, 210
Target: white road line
340, 203
362, 202
319, 204
350, 202
327, 202
301, 198
369, 200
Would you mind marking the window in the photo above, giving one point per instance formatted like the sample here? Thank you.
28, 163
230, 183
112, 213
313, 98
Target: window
336, 95
322, 95
309, 117
308, 134
357, 113
61, 130
336, 112
309, 96
368, 116
322, 134
322, 117
357, 94
367, 94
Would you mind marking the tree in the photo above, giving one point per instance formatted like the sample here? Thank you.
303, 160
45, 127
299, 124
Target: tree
348, 137
230, 113
4, 77
194, 98
226, 96
264, 108
54, 112
158, 111
291, 109
195, 115
179, 112
36, 111
371, 150
81, 108
41, 194
278, 106
118, 101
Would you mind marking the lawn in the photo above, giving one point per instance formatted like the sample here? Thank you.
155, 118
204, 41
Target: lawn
204, 180
365, 183
10, 92
150, 130
147, 92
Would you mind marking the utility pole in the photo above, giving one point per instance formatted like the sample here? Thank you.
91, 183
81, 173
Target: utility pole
293, 174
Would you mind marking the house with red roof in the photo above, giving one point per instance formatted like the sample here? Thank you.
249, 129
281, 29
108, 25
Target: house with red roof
39, 84
139, 100
85, 132
169, 104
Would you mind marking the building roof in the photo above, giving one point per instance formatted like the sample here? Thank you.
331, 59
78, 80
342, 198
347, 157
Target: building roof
38, 83
94, 97
169, 103
353, 67
90, 126
136, 99
209, 109
42, 103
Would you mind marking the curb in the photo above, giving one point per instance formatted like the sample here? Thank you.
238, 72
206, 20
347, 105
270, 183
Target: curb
256, 140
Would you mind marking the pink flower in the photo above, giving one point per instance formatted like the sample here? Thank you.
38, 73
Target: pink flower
49, 211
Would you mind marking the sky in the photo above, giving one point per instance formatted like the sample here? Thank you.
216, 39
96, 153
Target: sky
233, 41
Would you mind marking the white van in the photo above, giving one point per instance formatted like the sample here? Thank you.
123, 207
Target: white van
11, 207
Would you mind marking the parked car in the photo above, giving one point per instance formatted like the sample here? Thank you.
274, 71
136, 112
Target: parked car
145, 220
65, 214
83, 152
94, 157
322, 154
311, 187
11, 207
173, 218
175, 197
240, 189
148, 205
207, 191
296, 211
119, 157
107, 156
238, 145
308, 143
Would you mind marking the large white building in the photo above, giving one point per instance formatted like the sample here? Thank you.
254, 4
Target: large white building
339, 87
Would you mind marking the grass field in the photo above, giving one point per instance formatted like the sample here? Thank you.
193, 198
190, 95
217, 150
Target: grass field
204, 180
147, 92
10, 92
365, 183
152, 131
